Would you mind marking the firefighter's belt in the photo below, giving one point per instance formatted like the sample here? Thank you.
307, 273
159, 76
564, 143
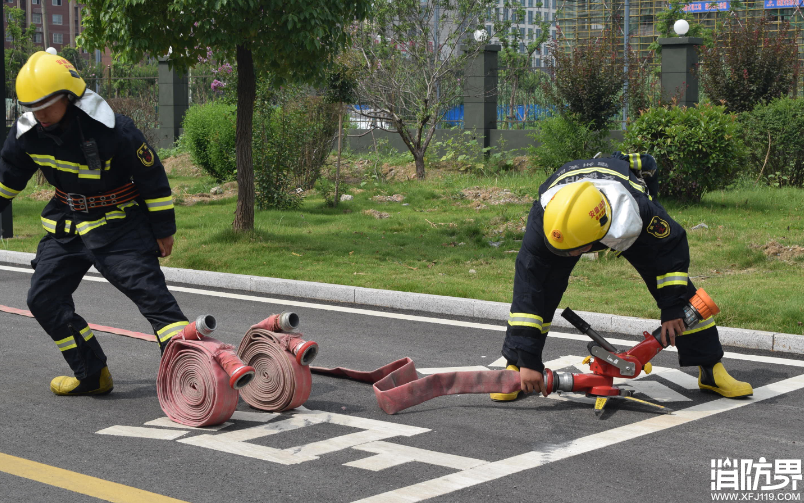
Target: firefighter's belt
82, 203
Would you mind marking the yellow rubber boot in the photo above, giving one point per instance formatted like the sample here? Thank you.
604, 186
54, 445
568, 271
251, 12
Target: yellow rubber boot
70, 386
506, 397
715, 378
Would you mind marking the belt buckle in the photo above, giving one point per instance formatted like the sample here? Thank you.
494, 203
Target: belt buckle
80, 198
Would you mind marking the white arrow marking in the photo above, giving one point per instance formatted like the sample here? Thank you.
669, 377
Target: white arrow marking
138, 431
389, 455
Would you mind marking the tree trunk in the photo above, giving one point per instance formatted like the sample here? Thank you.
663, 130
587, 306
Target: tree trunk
246, 93
338, 163
418, 157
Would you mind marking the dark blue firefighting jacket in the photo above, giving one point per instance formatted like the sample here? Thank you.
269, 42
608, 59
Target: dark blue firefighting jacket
125, 158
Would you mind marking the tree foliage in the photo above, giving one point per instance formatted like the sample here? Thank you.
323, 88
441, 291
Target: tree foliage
294, 41
410, 56
22, 45
747, 64
587, 80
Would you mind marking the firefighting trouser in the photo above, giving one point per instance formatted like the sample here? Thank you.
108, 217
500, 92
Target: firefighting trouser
538, 288
129, 263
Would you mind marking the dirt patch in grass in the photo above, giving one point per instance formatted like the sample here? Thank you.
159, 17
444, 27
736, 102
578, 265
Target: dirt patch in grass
41, 194
396, 198
182, 198
493, 196
181, 165
782, 252
379, 215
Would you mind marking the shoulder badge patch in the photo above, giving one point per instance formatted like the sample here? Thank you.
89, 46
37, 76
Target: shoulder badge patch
145, 155
658, 228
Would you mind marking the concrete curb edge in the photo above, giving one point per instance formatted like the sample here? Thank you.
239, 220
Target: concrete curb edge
438, 304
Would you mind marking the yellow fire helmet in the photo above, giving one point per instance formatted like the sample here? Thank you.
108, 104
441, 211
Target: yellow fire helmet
45, 76
577, 215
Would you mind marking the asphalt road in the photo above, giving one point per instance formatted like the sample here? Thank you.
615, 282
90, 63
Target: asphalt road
456, 448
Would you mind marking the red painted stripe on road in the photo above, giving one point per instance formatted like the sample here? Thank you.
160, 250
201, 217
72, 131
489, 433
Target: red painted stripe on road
99, 328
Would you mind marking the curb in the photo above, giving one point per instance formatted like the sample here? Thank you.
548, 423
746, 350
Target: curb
438, 304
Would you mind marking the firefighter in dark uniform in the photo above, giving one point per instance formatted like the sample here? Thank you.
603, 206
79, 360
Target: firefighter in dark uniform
112, 208
591, 205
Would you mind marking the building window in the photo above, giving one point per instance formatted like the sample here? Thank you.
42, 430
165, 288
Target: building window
36, 18
58, 38
530, 17
530, 3
57, 3
35, 2
488, 30
37, 38
57, 19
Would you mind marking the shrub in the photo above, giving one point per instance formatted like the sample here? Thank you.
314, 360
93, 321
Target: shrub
774, 141
747, 65
587, 80
141, 110
697, 149
209, 134
563, 139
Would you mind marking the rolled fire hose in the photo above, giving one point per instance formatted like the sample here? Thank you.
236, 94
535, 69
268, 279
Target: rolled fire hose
281, 361
397, 386
199, 377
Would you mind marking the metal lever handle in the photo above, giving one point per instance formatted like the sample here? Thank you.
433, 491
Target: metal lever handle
577, 322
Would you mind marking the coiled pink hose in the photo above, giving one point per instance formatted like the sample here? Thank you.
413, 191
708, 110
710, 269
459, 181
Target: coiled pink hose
199, 377
282, 380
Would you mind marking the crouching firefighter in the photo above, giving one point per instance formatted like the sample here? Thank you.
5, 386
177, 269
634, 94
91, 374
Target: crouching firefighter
112, 208
591, 205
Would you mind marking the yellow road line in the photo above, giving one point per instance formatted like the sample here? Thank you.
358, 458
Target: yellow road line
76, 482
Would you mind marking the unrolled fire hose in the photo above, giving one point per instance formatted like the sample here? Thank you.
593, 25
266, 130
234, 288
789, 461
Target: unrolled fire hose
199, 377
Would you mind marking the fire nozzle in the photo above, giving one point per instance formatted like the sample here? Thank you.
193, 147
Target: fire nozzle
203, 326
700, 307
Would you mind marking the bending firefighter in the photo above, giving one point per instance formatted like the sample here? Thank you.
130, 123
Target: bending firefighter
112, 208
591, 205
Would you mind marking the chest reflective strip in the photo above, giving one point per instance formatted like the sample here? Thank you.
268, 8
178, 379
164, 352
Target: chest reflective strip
82, 228
585, 171
672, 279
69, 342
82, 170
159, 204
8, 192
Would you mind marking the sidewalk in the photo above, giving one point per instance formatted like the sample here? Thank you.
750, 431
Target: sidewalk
437, 304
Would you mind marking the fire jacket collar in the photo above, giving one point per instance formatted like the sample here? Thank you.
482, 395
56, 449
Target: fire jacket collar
626, 224
91, 103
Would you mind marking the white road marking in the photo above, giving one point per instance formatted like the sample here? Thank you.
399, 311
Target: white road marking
499, 362
390, 455
451, 369
165, 422
236, 442
534, 459
137, 431
254, 417
423, 319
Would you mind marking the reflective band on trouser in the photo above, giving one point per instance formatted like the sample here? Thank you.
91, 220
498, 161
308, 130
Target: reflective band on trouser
86, 333
525, 320
8, 192
546, 328
280, 381
166, 333
672, 278
163, 203
635, 161
397, 385
701, 325
66, 343
192, 387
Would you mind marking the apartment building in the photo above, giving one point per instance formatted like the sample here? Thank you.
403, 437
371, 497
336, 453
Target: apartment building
529, 25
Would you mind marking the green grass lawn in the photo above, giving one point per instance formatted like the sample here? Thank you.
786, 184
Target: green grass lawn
444, 238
